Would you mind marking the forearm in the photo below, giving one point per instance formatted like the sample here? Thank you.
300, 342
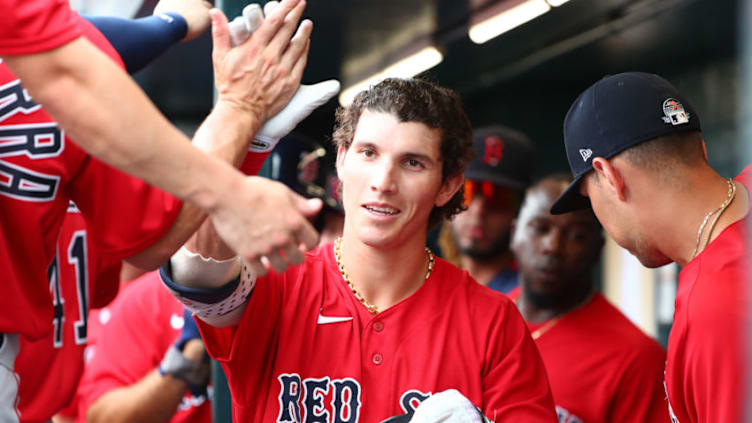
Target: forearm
226, 135
97, 104
152, 399
140, 41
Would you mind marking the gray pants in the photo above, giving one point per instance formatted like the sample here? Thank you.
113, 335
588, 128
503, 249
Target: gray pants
8, 380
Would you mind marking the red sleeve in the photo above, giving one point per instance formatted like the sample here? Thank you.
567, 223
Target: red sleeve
130, 344
716, 358
34, 26
125, 214
515, 384
640, 396
246, 351
253, 162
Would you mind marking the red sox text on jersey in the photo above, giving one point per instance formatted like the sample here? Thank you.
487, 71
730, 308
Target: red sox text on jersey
329, 400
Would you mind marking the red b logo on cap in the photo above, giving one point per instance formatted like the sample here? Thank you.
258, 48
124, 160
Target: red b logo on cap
494, 150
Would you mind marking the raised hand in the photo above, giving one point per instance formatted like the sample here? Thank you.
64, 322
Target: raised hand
261, 75
277, 232
306, 99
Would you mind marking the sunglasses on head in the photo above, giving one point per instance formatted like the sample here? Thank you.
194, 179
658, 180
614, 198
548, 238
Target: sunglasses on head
495, 196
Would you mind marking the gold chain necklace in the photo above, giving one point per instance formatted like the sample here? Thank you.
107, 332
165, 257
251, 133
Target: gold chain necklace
543, 329
371, 307
729, 197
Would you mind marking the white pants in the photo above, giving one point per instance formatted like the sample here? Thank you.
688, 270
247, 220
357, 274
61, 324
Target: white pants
8, 380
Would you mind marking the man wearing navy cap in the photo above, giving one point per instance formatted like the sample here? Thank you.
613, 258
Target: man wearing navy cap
635, 147
495, 182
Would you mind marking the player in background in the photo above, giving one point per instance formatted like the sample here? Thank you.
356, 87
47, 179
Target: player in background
41, 396
49, 368
601, 367
369, 327
141, 368
636, 150
495, 182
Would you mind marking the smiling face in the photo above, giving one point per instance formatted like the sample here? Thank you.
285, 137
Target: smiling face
391, 179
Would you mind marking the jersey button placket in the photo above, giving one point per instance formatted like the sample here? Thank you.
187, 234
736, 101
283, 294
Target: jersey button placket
378, 326
377, 359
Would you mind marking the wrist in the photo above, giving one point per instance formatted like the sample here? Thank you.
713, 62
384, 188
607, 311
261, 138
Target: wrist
178, 366
236, 109
214, 187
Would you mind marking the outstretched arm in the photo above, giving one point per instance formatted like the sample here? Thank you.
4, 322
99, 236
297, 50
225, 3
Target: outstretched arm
98, 105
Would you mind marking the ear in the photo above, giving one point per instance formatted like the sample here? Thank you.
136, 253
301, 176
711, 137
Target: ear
449, 188
341, 151
610, 177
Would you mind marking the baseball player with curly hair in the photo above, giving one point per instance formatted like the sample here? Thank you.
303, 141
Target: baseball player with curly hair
369, 327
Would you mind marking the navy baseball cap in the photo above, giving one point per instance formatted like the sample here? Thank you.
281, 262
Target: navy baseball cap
298, 162
503, 156
614, 114
307, 168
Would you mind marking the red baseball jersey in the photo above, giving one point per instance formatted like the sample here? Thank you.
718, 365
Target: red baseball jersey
97, 319
40, 171
602, 368
33, 26
49, 368
140, 325
307, 350
708, 348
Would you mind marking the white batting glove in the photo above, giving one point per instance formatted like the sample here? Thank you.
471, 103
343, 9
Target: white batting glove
243, 26
305, 100
449, 406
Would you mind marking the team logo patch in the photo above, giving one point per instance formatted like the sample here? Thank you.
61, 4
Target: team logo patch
675, 113
585, 153
308, 166
494, 150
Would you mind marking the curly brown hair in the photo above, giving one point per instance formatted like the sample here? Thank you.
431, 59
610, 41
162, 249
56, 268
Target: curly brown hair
416, 100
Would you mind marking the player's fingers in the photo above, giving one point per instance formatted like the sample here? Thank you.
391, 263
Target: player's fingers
274, 20
220, 33
257, 267
238, 31
298, 45
281, 39
298, 66
277, 262
307, 235
253, 17
293, 254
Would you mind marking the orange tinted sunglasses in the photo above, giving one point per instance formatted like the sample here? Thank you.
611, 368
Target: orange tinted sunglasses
495, 196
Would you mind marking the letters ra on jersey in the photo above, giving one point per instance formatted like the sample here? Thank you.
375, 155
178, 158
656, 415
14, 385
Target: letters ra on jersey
24, 140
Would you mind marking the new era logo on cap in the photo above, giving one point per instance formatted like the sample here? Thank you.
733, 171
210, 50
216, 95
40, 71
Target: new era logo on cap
585, 153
